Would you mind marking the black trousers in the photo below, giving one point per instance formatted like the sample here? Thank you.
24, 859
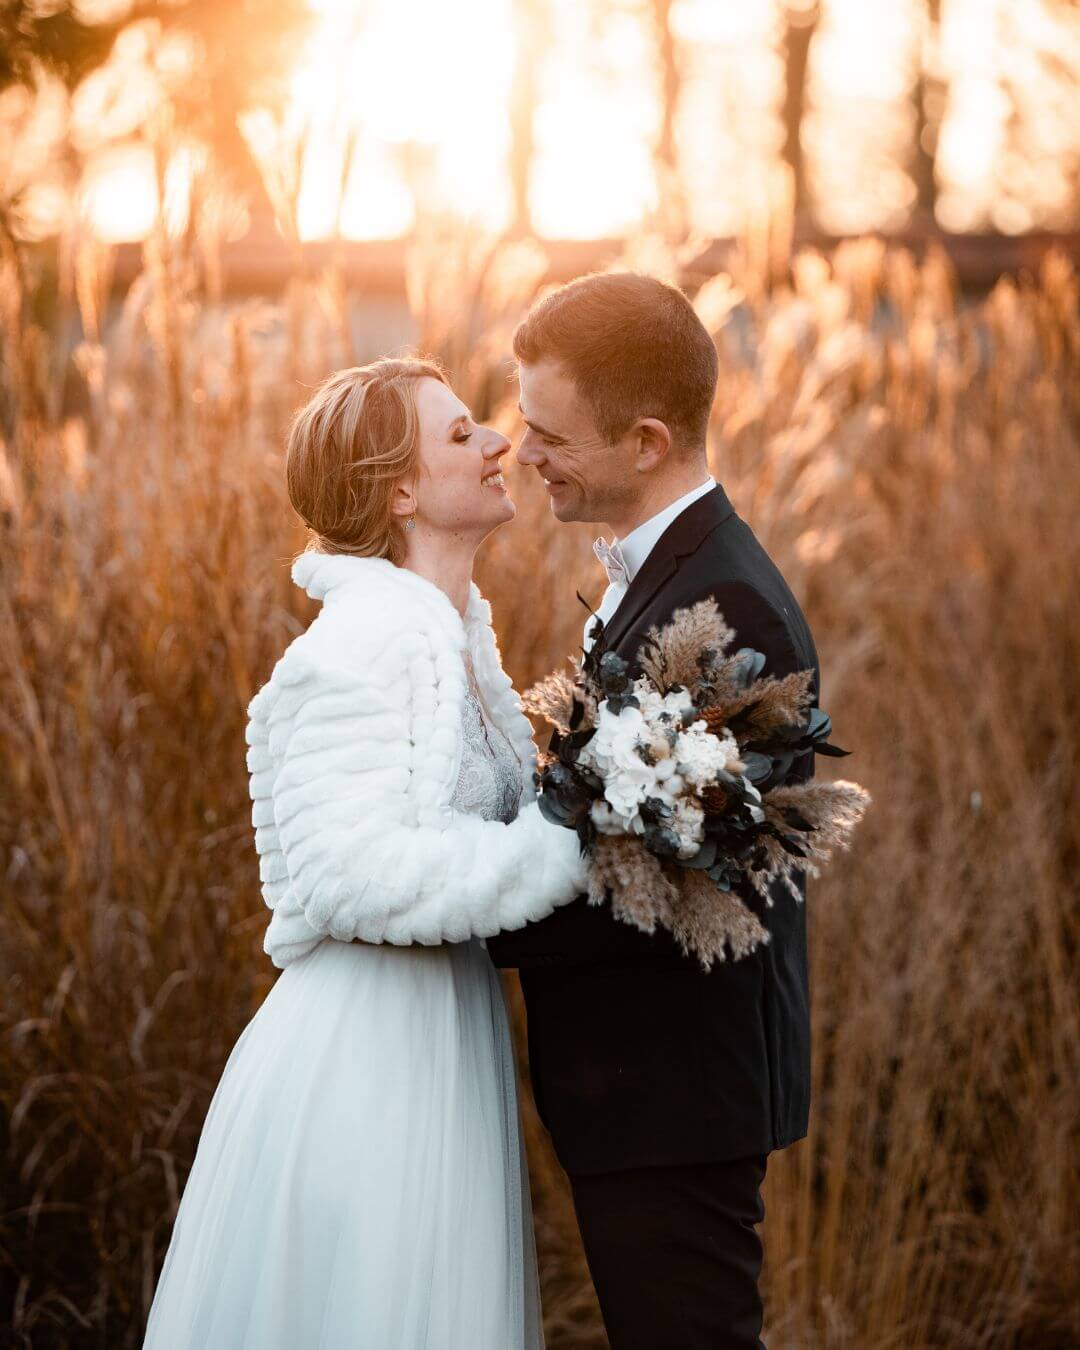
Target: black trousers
674, 1254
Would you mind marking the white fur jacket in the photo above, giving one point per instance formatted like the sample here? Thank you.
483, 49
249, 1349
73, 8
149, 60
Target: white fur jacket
354, 746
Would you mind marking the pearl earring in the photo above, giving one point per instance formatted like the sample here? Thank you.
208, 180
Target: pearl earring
410, 524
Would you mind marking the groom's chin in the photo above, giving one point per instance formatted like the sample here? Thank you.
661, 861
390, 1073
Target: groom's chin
565, 512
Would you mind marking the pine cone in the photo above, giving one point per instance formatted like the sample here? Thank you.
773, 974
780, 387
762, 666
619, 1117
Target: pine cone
714, 718
714, 800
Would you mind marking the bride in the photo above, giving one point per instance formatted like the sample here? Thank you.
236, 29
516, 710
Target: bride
360, 1177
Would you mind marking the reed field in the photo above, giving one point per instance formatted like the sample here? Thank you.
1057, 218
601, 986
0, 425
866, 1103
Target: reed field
910, 457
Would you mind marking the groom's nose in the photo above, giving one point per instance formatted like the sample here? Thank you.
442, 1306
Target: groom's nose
528, 451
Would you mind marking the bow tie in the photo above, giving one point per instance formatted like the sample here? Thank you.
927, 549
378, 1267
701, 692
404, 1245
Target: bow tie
610, 555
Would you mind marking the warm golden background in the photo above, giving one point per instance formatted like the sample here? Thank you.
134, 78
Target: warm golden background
204, 208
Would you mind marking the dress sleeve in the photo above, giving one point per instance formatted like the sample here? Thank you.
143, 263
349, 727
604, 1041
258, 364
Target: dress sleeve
341, 817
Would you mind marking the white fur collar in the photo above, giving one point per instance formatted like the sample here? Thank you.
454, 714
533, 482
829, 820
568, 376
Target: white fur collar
321, 573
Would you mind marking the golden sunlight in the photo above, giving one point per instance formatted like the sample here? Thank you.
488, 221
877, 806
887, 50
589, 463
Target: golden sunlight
402, 109
118, 196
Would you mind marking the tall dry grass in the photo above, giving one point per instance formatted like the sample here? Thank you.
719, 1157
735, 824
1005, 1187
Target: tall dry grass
910, 461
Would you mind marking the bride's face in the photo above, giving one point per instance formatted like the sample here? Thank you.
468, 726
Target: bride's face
459, 488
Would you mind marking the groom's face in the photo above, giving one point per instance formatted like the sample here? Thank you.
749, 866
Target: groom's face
585, 476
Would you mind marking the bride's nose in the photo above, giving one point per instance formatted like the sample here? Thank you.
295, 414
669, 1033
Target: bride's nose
497, 446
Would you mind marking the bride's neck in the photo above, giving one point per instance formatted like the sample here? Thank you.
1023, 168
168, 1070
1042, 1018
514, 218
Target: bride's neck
446, 562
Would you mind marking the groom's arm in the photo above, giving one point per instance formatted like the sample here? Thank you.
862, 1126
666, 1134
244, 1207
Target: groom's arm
755, 622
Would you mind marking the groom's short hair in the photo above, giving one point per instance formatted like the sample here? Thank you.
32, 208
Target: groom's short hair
633, 346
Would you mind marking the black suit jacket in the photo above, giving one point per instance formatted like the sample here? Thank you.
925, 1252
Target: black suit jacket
637, 1056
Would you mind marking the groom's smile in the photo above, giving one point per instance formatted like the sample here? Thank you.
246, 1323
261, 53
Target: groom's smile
587, 476
562, 442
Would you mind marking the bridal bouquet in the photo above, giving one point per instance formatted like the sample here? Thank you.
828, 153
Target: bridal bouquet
672, 773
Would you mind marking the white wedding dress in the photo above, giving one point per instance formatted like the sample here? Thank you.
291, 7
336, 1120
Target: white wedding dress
360, 1180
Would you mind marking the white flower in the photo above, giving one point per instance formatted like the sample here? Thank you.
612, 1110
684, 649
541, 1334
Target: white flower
670, 784
616, 737
701, 754
688, 825
666, 769
654, 705
613, 753
626, 791
633, 753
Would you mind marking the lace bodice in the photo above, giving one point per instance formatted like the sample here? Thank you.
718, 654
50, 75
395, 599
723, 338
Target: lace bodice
489, 781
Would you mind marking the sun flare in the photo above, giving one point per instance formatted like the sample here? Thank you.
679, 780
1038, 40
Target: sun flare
402, 110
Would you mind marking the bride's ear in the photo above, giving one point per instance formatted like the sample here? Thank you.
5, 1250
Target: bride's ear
403, 502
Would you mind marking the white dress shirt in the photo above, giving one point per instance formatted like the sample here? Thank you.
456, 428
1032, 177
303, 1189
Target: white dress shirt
635, 549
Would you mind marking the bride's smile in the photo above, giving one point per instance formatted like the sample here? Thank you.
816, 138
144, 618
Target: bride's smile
460, 485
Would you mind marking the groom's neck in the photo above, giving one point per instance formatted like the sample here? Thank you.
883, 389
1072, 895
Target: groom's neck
655, 496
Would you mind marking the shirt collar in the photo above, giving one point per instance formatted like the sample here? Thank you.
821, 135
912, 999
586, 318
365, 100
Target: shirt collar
640, 542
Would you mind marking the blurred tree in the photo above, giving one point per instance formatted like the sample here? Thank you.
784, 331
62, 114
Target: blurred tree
928, 98
672, 214
671, 189
532, 32
1037, 174
244, 47
800, 19
58, 40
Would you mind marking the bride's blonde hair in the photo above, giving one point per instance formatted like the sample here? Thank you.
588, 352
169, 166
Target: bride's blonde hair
348, 447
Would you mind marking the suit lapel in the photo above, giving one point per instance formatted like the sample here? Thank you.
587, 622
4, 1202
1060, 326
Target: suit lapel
657, 568
679, 540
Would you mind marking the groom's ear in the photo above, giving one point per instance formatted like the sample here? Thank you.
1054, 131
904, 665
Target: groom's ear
653, 442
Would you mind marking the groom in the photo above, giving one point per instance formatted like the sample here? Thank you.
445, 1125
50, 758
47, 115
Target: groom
664, 1088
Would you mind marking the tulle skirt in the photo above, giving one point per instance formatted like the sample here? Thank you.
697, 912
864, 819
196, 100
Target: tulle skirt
360, 1180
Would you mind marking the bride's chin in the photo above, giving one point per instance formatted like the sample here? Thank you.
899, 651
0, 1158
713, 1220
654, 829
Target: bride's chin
495, 516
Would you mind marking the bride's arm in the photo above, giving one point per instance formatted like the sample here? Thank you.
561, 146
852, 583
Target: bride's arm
336, 824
